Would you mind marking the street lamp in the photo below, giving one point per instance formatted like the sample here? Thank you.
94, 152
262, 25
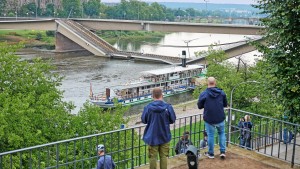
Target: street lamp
187, 44
230, 110
206, 3
206, 8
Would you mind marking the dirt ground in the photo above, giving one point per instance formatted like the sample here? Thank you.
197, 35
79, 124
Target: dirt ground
232, 161
184, 109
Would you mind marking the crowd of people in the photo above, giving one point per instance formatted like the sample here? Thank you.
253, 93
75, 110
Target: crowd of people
158, 115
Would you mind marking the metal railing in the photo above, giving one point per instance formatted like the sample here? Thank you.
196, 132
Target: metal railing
269, 136
128, 150
126, 147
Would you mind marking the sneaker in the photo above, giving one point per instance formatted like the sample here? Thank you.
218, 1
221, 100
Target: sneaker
211, 156
222, 155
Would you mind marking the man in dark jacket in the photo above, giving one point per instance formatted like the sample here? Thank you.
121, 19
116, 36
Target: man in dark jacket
213, 100
158, 115
105, 161
183, 143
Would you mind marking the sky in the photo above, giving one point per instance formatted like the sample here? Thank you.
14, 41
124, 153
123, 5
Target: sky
197, 1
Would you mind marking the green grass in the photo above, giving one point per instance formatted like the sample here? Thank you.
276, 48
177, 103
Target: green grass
29, 35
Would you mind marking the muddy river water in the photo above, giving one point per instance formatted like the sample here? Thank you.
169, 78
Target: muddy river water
79, 71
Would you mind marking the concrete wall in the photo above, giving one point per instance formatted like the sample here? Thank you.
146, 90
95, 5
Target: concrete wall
63, 43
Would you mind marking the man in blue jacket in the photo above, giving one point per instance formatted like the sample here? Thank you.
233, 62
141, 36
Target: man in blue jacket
105, 161
213, 100
158, 115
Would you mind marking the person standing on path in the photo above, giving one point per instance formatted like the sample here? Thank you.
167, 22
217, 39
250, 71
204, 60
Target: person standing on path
213, 100
247, 127
158, 115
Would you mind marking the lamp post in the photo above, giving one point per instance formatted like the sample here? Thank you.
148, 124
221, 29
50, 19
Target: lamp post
187, 44
230, 110
206, 8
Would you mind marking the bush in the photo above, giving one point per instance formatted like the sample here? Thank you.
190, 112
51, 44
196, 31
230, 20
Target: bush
50, 33
38, 36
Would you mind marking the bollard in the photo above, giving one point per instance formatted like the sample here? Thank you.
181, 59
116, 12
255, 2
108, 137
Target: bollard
192, 157
122, 126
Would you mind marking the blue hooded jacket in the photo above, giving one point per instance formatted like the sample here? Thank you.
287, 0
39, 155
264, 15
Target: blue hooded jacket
106, 162
158, 115
213, 100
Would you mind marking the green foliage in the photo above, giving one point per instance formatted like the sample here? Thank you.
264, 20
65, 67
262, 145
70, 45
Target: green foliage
71, 7
32, 113
2, 5
91, 8
247, 95
38, 36
31, 108
49, 10
28, 10
50, 33
282, 56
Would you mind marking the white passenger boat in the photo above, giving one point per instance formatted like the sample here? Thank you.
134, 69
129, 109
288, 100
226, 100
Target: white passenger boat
172, 80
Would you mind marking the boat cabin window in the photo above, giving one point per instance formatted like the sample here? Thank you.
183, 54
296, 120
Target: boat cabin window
148, 87
143, 88
157, 85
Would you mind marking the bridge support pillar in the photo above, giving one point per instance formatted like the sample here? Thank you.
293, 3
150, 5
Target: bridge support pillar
65, 44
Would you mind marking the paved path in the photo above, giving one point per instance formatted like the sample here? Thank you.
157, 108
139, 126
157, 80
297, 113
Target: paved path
283, 151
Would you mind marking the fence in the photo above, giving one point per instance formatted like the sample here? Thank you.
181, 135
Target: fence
129, 150
269, 136
125, 146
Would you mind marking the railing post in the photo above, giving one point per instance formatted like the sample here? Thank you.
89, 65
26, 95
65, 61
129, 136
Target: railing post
229, 124
132, 147
294, 146
57, 156
0, 162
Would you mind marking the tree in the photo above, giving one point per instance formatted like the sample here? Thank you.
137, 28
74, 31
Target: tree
248, 96
2, 6
32, 112
28, 9
282, 35
50, 10
72, 8
31, 108
91, 8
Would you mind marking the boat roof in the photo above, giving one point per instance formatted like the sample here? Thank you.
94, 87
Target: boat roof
173, 69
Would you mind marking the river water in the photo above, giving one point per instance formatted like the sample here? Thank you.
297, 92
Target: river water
80, 71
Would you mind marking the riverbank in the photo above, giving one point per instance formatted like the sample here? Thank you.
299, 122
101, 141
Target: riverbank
46, 39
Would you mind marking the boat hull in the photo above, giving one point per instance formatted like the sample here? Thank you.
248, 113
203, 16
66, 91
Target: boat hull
135, 101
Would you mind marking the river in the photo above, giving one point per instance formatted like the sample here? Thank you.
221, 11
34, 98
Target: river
80, 71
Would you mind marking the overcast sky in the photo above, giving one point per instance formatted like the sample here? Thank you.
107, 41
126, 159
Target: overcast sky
197, 1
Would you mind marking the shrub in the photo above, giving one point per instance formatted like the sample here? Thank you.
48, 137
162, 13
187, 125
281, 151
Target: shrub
50, 33
38, 36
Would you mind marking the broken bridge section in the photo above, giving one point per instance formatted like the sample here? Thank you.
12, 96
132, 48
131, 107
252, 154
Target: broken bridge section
72, 36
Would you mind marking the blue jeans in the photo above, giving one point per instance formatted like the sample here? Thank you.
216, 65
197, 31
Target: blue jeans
287, 136
210, 128
245, 143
